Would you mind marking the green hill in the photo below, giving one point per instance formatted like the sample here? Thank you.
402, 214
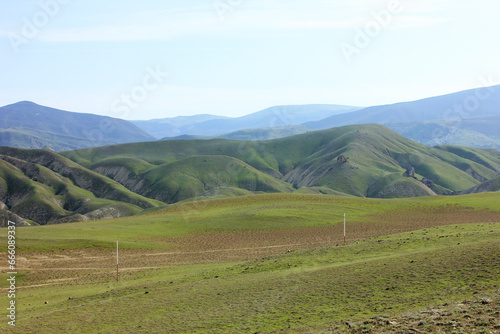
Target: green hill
44, 187
490, 158
189, 177
122, 180
310, 160
266, 133
487, 186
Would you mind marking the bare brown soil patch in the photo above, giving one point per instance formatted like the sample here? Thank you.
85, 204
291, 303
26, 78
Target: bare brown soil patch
98, 265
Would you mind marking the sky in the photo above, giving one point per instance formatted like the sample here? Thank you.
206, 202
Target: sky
156, 59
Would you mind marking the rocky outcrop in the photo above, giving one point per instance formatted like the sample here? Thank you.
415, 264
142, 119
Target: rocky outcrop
410, 172
342, 160
427, 182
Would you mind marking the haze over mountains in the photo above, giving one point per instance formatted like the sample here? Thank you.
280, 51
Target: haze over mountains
468, 118
476, 132
209, 125
466, 104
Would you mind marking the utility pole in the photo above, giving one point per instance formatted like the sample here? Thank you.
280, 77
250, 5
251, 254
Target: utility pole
117, 275
344, 229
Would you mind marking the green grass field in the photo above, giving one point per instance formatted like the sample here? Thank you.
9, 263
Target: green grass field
273, 263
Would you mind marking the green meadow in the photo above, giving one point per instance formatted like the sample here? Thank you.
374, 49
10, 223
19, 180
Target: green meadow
273, 263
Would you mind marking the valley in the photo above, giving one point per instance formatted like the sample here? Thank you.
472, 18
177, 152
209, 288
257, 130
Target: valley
236, 235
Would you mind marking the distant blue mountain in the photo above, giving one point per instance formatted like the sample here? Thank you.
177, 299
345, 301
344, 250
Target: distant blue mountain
29, 125
175, 126
208, 125
480, 132
462, 105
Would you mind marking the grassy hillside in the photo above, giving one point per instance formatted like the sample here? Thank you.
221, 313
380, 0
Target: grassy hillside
189, 177
310, 160
490, 185
266, 133
165, 228
194, 176
45, 187
267, 263
151, 174
490, 158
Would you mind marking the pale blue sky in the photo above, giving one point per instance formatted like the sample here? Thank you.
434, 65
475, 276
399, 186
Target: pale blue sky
234, 57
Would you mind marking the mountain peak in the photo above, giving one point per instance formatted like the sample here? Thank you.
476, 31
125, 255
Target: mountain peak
27, 102
30, 125
23, 104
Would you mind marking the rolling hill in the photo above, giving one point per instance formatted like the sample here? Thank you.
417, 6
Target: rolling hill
45, 188
266, 133
253, 134
29, 125
121, 180
189, 177
378, 160
487, 186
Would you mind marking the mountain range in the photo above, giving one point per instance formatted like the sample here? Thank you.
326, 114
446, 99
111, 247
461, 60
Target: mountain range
477, 132
310, 160
44, 187
469, 118
109, 167
479, 102
210, 125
